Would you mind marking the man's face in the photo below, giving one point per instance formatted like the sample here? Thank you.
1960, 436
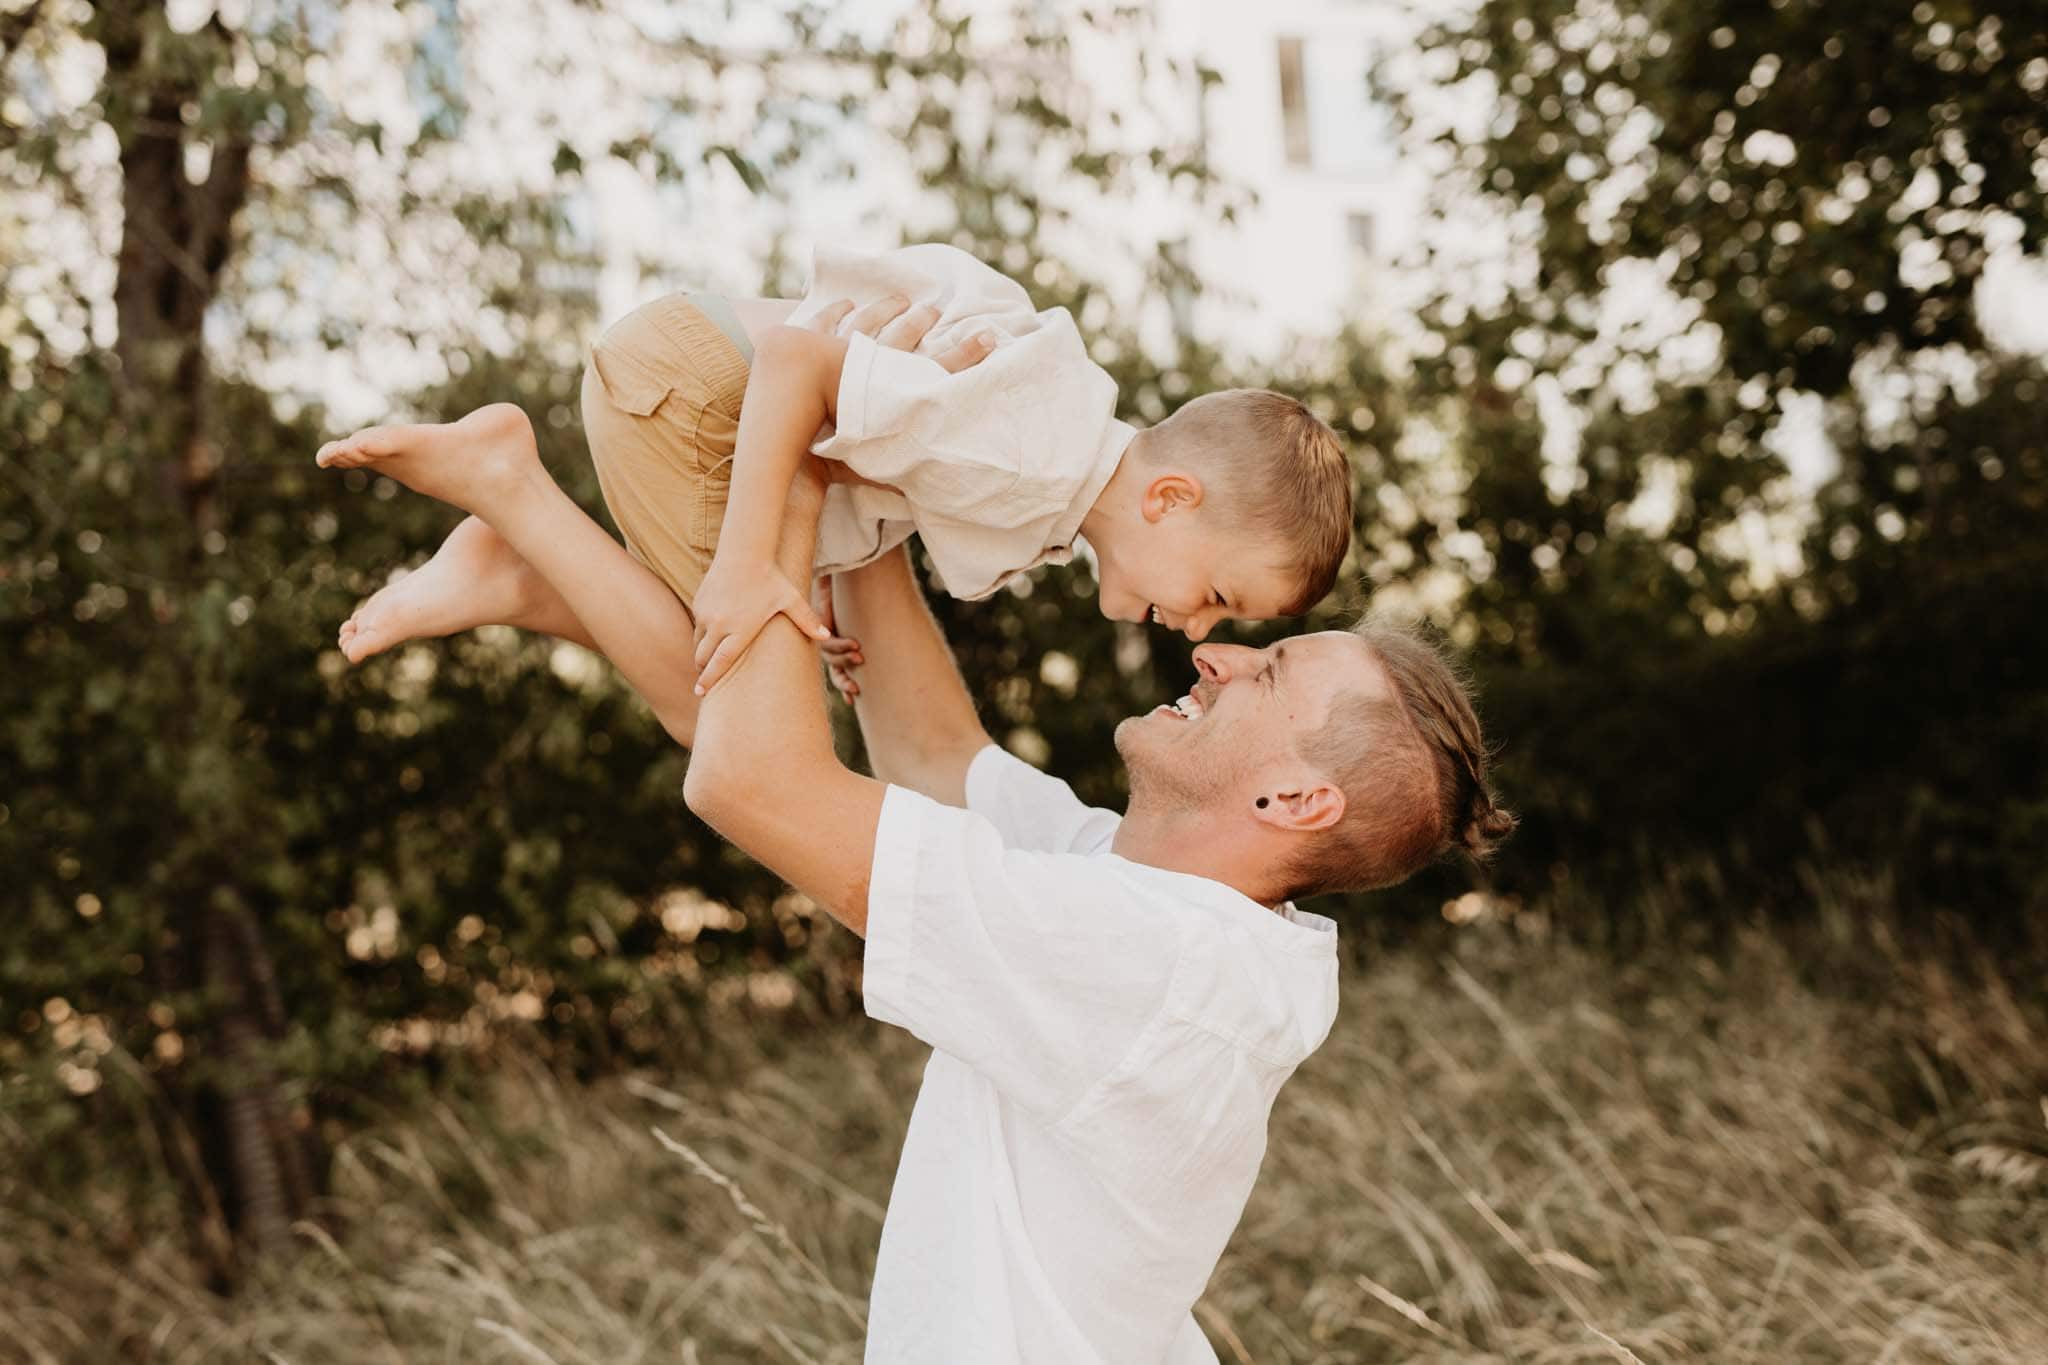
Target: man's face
1188, 575
1243, 719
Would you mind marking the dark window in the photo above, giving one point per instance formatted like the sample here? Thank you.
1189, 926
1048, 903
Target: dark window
1294, 103
1363, 231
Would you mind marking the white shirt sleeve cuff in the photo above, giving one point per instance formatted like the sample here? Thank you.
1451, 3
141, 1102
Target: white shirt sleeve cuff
851, 418
985, 774
892, 907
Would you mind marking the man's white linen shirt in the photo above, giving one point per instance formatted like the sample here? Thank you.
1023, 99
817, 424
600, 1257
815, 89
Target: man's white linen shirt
1108, 1038
993, 467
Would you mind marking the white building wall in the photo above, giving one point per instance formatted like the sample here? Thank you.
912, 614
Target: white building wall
1306, 258
1331, 204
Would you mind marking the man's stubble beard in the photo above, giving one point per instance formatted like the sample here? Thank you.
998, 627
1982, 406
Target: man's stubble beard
1160, 783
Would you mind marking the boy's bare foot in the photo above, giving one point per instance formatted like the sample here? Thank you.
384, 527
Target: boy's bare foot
467, 463
474, 579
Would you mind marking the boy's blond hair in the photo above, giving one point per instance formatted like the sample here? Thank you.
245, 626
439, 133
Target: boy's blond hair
1275, 469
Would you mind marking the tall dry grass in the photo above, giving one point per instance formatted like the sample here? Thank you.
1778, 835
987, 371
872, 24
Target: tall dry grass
1809, 1147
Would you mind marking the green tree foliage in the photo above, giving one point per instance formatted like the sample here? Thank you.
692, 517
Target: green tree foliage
1735, 228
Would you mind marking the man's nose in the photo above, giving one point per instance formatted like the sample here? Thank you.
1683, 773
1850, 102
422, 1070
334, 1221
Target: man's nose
1221, 663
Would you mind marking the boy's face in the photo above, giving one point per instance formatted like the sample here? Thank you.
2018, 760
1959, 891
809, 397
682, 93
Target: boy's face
1185, 572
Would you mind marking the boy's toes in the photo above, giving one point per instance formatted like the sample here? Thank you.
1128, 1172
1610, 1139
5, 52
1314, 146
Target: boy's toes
361, 644
361, 448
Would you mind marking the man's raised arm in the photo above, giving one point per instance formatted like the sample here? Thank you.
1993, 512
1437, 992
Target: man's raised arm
914, 710
763, 773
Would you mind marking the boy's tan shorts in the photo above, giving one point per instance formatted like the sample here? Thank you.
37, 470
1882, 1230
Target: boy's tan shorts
661, 409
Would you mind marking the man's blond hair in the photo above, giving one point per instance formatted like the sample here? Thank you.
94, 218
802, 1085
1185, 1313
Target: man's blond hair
1274, 469
1412, 768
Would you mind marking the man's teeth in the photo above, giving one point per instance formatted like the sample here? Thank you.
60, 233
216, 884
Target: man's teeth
1188, 708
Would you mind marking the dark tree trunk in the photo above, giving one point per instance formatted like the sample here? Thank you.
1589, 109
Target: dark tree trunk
177, 237
266, 1165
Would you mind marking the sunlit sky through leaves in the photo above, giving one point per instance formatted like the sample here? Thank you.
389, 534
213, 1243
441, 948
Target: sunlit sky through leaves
354, 294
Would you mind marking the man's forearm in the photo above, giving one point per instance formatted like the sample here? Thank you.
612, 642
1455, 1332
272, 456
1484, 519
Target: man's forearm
764, 773
914, 710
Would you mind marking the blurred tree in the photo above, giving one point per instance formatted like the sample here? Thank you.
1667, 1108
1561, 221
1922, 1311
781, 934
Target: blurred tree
1734, 380
1720, 213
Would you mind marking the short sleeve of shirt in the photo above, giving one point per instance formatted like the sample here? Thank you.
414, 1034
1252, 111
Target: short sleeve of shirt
1041, 971
1003, 444
1033, 809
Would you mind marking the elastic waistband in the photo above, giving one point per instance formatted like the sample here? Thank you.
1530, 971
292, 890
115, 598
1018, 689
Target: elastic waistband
718, 312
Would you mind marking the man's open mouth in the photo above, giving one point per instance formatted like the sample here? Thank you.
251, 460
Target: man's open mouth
1187, 708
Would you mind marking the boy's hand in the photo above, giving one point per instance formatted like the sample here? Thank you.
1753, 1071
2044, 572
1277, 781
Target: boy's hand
842, 653
733, 603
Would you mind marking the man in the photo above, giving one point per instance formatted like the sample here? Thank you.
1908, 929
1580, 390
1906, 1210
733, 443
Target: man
1113, 1002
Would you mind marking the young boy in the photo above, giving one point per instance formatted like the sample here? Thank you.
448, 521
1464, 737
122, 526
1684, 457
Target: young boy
699, 409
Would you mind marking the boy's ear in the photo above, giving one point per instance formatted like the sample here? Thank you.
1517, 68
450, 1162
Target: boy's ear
1171, 492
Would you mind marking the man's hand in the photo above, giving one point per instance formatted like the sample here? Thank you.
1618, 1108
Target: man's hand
737, 598
894, 323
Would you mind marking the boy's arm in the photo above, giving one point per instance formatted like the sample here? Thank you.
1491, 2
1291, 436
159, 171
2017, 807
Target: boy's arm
914, 710
791, 392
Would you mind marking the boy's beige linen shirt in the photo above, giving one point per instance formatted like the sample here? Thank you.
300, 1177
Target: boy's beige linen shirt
994, 467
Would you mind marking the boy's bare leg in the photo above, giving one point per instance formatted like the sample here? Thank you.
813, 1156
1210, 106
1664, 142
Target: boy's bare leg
487, 465
575, 581
474, 579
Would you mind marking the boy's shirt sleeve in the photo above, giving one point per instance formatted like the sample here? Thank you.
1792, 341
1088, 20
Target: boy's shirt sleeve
994, 467
1003, 444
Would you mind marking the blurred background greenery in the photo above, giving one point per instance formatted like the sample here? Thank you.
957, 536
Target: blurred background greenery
1689, 355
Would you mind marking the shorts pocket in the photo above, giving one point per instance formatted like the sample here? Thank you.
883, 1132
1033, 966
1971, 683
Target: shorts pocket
631, 389
711, 440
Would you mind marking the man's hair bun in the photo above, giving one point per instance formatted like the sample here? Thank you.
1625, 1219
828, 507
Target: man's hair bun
1486, 825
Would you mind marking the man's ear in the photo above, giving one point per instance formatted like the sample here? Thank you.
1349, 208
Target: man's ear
1169, 492
1301, 807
